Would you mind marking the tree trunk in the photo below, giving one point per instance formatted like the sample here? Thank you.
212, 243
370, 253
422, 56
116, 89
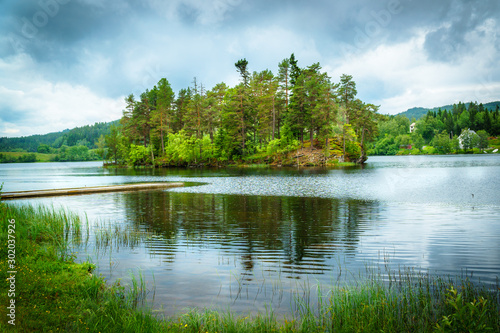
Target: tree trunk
242, 122
343, 140
161, 135
152, 156
362, 159
274, 118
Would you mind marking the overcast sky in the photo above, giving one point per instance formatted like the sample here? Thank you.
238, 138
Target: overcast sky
68, 63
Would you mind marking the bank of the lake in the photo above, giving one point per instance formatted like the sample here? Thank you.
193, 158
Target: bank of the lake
51, 292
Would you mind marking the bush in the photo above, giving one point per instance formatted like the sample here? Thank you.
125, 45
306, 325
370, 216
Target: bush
139, 155
386, 146
273, 146
43, 149
429, 150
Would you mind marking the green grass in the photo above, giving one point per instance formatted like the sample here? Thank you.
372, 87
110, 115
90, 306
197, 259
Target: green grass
54, 293
39, 157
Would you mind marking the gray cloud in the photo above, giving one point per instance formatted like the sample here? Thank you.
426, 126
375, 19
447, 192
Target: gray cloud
116, 47
449, 41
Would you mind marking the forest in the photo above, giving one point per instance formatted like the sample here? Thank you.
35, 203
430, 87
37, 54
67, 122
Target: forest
298, 116
464, 128
87, 135
77, 144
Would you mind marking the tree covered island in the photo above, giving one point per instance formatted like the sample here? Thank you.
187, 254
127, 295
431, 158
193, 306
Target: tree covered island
297, 117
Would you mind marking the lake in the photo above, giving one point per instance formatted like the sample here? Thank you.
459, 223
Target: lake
248, 239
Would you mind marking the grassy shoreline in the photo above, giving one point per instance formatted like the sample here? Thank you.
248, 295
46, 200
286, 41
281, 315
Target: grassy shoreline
54, 293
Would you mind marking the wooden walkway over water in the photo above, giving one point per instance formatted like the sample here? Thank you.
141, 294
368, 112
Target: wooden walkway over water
87, 190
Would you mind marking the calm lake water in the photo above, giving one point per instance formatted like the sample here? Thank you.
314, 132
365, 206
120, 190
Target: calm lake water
244, 239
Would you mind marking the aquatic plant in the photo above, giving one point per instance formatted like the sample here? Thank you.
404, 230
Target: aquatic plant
53, 292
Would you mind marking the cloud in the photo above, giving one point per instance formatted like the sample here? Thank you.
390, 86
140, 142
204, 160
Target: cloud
452, 39
402, 53
400, 76
37, 106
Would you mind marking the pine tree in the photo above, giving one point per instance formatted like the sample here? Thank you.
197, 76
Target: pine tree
347, 93
161, 116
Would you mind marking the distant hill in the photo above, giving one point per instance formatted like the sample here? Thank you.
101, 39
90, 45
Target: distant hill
86, 135
418, 112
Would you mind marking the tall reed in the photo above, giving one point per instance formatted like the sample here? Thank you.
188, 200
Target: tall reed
55, 293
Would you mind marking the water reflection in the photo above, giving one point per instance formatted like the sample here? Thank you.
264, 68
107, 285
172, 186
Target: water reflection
297, 233
256, 237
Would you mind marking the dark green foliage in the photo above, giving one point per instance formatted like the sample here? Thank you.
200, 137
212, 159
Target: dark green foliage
438, 127
241, 66
228, 125
418, 113
43, 149
88, 135
385, 146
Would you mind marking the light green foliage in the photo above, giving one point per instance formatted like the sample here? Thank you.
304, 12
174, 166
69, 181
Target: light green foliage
403, 140
113, 142
18, 157
465, 316
483, 139
429, 150
274, 146
395, 126
75, 153
428, 127
455, 143
183, 149
101, 147
281, 146
442, 143
285, 144
464, 120
139, 155
264, 114
418, 140
223, 146
352, 145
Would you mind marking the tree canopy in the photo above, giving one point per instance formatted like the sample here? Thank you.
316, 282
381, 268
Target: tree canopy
263, 116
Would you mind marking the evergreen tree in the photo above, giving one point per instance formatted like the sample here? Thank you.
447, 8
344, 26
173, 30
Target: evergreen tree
347, 94
161, 116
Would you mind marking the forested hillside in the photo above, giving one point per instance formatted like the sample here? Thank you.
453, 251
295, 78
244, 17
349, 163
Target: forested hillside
262, 119
86, 135
418, 113
460, 128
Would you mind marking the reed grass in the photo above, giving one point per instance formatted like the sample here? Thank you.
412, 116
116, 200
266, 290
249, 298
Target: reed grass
54, 293
108, 235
